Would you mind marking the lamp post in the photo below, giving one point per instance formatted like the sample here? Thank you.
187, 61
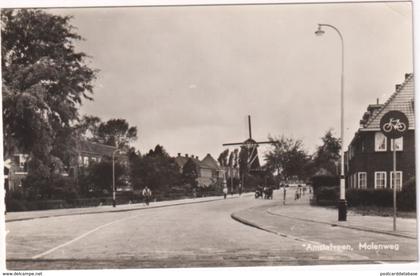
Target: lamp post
113, 177
342, 204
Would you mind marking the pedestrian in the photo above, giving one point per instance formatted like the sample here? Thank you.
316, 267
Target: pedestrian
147, 194
284, 194
240, 189
225, 191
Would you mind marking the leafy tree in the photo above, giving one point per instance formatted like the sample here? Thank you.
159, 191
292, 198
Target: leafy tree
116, 132
44, 81
190, 174
156, 169
98, 176
287, 158
222, 159
88, 126
327, 155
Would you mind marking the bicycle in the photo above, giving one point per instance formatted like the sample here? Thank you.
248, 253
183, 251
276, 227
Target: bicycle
394, 124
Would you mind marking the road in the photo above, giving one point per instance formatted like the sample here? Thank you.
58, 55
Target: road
192, 235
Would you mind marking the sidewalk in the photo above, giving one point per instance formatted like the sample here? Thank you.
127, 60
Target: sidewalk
405, 227
18, 216
301, 211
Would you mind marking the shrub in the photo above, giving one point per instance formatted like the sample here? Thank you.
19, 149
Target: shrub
370, 197
326, 195
406, 198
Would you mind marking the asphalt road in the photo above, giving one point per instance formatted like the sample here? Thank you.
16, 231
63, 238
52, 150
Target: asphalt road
194, 235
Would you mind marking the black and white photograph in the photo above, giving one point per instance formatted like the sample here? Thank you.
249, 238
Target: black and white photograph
231, 135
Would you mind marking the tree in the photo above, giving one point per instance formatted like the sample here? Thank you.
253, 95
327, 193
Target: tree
287, 158
116, 132
88, 127
328, 154
156, 169
98, 176
45, 80
222, 159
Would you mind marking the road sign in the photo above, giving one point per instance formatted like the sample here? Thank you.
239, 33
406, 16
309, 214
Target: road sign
394, 124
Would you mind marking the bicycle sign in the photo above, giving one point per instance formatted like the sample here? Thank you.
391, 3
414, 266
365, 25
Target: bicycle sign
394, 124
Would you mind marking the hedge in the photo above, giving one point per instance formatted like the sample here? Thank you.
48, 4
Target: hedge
406, 198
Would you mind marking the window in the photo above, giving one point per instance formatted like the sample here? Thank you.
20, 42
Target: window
362, 181
398, 144
86, 161
398, 180
380, 141
380, 180
22, 160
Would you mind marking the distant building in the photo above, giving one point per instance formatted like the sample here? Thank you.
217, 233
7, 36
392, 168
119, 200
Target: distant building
208, 172
90, 152
369, 162
16, 170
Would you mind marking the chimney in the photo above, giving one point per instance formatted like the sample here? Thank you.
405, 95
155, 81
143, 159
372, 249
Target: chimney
407, 75
377, 100
192, 155
397, 87
179, 154
196, 157
186, 155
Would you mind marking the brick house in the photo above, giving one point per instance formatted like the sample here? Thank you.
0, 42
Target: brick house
89, 152
369, 162
207, 170
15, 169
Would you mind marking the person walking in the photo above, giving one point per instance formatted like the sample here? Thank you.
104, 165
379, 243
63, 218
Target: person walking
225, 191
147, 195
284, 194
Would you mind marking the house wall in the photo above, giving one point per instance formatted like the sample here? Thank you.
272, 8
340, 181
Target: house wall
366, 159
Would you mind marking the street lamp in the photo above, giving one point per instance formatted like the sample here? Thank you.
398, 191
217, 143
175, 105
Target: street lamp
342, 204
113, 177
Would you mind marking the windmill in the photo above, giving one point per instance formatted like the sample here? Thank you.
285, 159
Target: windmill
250, 152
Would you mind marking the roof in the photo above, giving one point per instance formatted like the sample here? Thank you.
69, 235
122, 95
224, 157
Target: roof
181, 160
402, 100
200, 163
210, 162
96, 148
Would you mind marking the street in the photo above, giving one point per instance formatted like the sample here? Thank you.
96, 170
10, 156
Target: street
191, 235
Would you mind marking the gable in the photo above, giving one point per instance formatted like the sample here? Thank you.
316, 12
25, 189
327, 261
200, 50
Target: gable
209, 162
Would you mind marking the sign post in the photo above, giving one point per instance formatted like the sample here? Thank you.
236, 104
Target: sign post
393, 125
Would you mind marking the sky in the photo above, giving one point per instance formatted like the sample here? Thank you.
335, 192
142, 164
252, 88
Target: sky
189, 76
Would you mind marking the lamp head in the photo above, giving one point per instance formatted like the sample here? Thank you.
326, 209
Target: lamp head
319, 32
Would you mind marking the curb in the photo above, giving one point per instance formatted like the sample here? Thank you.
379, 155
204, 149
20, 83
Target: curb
345, 226
122, 210
249, 223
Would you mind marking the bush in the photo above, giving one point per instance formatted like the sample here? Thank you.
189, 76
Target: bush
13, 205
406, 198
326, 196
370, 197
326, 189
